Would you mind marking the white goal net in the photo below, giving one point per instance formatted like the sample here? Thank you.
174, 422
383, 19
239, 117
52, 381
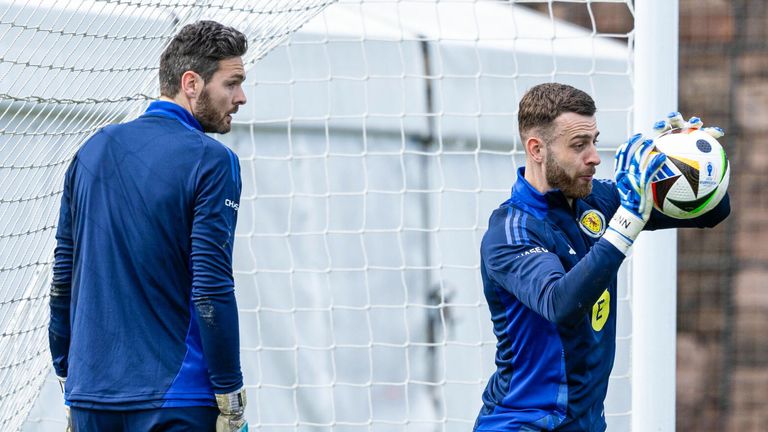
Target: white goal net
377, 138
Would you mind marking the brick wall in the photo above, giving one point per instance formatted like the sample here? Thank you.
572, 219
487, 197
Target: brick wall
724, 77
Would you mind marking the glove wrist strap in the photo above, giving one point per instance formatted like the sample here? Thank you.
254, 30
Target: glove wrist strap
623, 229
232, 403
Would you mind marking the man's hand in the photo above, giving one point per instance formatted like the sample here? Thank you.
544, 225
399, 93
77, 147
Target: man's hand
635, 164
62, 382
674, 121
232, 408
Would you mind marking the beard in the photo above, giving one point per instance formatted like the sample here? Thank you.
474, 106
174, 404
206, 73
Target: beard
209, 117
558, 178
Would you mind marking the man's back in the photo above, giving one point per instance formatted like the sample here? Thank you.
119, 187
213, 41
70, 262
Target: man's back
135, 191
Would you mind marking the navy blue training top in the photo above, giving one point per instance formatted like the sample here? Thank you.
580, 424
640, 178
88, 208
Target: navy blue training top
550, 283
143, 312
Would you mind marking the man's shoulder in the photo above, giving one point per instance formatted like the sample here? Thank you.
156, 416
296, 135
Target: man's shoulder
513, 224
216, 151
166, 129
214, 144
150, 127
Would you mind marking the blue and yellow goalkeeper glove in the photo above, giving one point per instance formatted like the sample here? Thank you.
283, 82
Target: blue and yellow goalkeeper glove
232, 412
635, 164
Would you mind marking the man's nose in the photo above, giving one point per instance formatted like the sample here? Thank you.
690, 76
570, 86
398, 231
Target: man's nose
593, 158
240, 98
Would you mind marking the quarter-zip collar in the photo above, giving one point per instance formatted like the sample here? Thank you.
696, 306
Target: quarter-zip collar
174, 111
524, 195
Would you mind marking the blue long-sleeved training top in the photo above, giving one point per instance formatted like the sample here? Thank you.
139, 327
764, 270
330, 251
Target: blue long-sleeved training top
550, 283
143, 312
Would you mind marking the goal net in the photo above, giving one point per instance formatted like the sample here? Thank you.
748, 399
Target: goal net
377, 138
67, 68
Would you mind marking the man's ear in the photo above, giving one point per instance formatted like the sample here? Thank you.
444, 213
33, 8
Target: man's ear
191, 84
535, 148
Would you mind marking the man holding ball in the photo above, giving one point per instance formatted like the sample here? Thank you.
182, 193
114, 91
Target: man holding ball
549, 262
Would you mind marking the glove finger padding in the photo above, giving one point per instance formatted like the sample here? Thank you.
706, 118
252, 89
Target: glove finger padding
714, 131
675, 120
694, 123
653, 160
623, 156
636, 168
646, 161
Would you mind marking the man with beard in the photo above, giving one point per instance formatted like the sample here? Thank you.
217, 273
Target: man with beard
144, 327
549, 263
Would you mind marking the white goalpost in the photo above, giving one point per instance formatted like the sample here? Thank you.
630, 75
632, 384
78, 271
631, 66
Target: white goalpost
377, 138
654, 299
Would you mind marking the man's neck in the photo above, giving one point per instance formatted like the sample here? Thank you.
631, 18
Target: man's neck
534, 175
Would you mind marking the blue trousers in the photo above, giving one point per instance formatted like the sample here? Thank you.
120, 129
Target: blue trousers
192, 419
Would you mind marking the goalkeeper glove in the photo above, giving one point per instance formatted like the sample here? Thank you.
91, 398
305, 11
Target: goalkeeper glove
232, 412
62, 382
674, 121
635, 164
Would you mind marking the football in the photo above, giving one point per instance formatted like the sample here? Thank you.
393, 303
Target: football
694, 177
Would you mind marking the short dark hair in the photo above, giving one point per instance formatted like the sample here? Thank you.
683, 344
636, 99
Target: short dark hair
198, 47
543, 103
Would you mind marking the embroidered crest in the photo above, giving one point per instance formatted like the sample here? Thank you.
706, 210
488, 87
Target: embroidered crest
592, 222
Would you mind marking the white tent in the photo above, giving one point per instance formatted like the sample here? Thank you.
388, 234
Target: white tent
479, 58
